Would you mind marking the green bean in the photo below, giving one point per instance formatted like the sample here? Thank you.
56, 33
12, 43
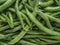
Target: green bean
32, 36
55, 14
36, 3
23, 42
33, 41
50, 41
25, 17
18, 37
40, 42
52, 9
46, 19
19, 15
11, 9
7, 26
35, 32
40, 36
20, 7
23, 22
9, 21
54, 19
13, 30
6, 4
46, 4
8, 35
37, 41
29, 7
54, 37
21, 34
4, 27
39, 25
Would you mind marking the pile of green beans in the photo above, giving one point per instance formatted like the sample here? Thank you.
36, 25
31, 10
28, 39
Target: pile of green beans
29, 22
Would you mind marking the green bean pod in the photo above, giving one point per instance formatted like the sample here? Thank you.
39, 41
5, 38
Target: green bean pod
19, 15
7, 26
6, 5
9, 20
18, 37
46, 4
13, 30
21, 34
39, 25
23, 42
52, 9
50, 41
54, 19
23, 15
46, 19
55, 14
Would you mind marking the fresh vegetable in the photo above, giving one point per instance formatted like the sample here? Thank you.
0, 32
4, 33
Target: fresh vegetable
29, 22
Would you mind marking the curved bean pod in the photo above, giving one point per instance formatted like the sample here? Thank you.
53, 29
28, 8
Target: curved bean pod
6, 5
39, 25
